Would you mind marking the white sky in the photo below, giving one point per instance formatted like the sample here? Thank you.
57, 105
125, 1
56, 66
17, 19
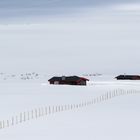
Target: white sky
102, 39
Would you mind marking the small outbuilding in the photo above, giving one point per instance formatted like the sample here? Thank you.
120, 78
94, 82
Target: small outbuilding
128, 77
68, 80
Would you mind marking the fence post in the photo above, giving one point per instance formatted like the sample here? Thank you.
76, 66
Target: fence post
38, 110
71, 107
12, 121
16, 119
46, 111
119, 92
101, 98
32, 112
110, 95
8, 123
24, 116
65, 107
0, 125
122, 92
116, 92
28, 115
20, 118
3, 124
61, 108
104, 97
36, 114
52, 109
107, 96
49, 110
94, 100
42, 111
56, 109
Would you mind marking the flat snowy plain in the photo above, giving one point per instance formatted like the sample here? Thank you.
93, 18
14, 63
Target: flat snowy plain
69, 36
115, 118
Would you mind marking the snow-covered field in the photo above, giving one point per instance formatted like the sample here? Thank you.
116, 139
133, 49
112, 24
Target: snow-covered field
90, 38
113, 118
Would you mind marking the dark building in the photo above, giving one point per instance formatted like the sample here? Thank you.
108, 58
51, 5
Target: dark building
128, 77
70, 80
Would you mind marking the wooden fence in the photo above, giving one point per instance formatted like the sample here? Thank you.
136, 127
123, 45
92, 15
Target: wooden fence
47, 110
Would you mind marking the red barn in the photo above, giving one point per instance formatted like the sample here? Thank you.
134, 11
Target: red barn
71, 80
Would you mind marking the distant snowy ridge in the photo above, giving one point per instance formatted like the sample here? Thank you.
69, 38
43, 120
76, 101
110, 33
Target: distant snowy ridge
47, 110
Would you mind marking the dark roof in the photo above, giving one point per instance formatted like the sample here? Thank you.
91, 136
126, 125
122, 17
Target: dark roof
67, 78
127, 76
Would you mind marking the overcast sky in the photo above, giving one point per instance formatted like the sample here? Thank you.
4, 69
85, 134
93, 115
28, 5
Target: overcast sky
77, 36
13, 9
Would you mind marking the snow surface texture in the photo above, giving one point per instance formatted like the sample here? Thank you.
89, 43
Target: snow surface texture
60, 112
42, 111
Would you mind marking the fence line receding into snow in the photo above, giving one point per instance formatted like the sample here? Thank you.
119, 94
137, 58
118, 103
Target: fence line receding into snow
47, 110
